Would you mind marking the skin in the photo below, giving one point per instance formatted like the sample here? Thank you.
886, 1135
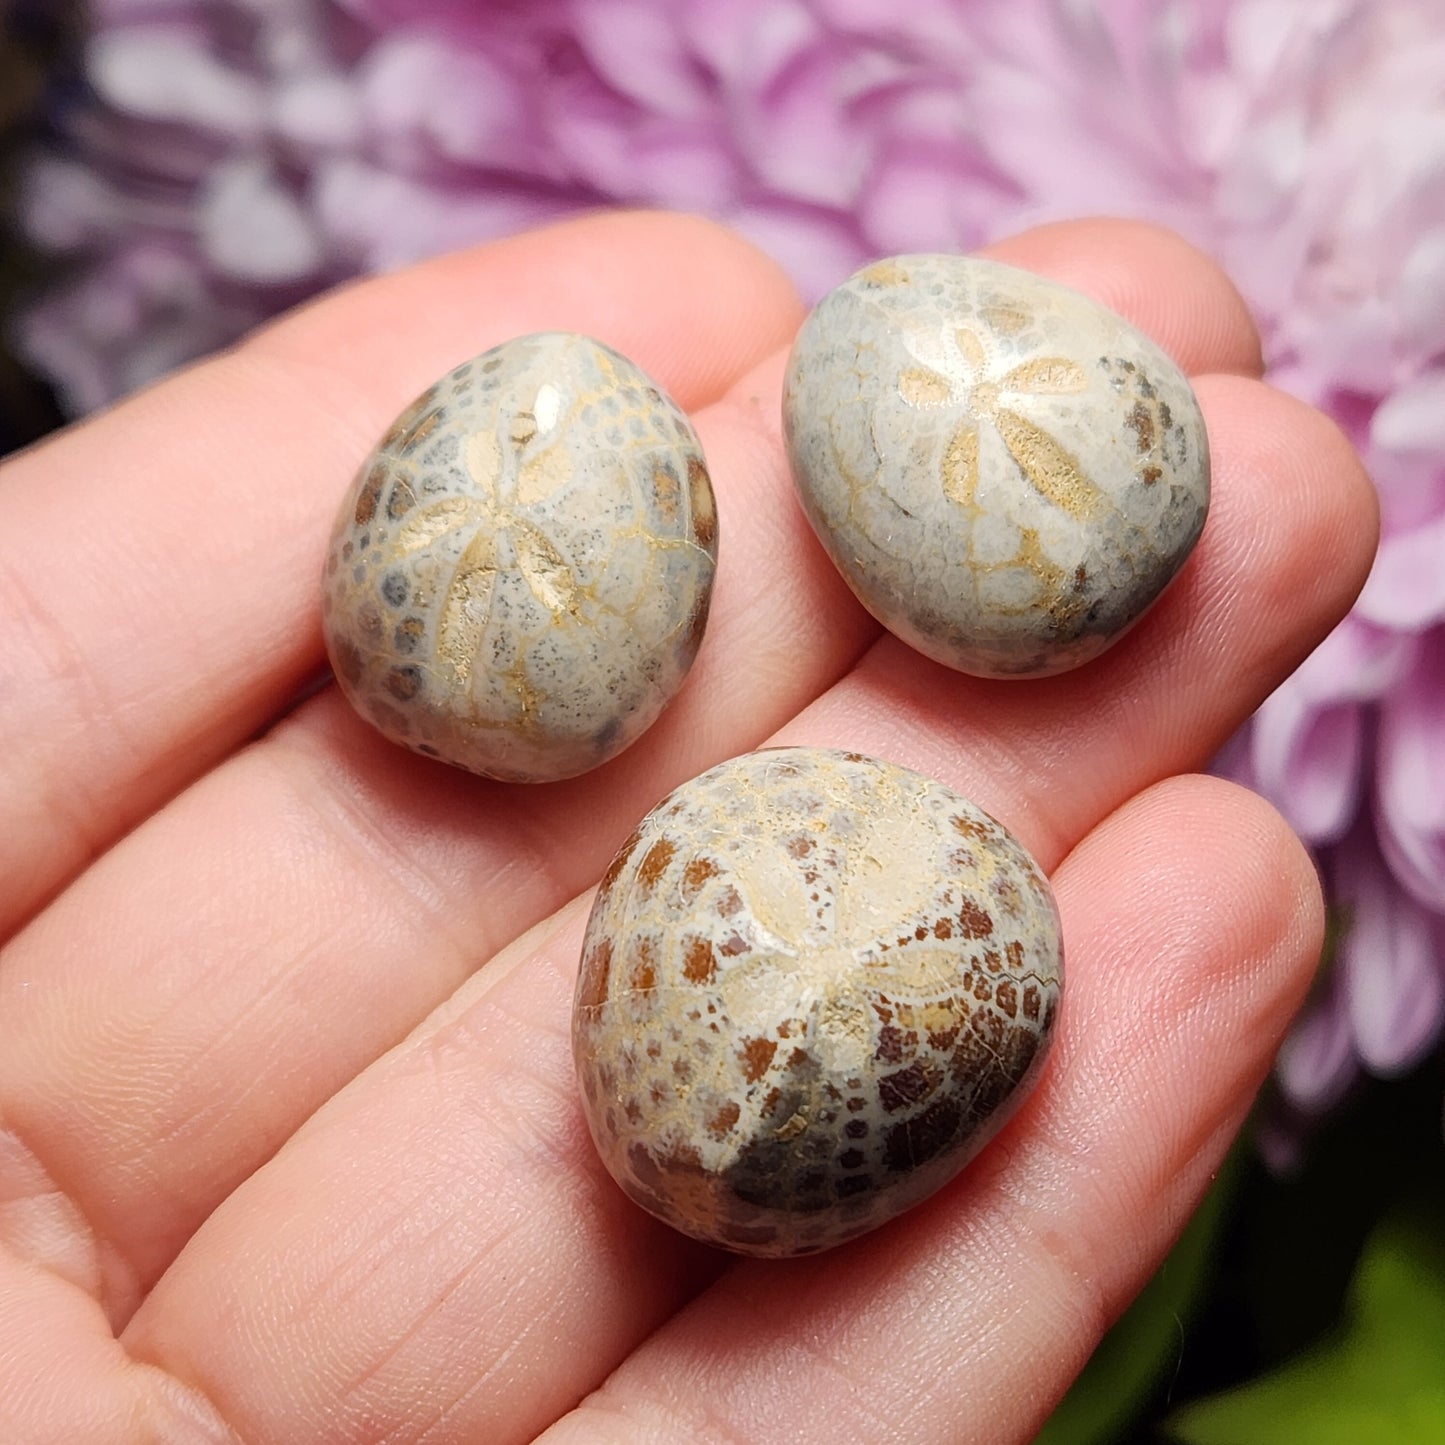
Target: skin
290, 1146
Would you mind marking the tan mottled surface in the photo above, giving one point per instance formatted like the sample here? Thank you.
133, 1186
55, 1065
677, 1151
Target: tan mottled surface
1006, 473
813, 986
519, 577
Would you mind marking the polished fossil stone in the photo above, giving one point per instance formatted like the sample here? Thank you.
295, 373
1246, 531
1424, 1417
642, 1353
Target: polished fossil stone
813, 986
1006, 473
519, 578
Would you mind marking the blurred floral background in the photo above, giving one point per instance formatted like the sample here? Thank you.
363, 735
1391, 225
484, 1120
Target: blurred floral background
179, 171
33, 46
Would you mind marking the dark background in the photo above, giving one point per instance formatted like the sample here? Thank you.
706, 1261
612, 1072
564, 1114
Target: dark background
38, 45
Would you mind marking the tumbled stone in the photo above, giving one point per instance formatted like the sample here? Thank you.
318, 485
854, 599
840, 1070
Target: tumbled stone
813, 986
1006, 473
519, 578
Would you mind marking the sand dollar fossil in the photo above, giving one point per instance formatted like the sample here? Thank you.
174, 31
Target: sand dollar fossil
519, 579
1006, 473
813, 986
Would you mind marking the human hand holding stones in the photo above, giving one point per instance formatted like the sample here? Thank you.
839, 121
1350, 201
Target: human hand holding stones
293, 1143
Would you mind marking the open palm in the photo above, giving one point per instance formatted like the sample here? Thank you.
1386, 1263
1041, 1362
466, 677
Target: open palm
290, 1146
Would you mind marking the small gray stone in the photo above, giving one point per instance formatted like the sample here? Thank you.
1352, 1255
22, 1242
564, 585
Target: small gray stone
1006, 473
813, 986
519, 578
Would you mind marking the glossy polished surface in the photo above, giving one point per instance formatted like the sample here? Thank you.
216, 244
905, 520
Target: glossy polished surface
1006, 473
519, 579
813, 986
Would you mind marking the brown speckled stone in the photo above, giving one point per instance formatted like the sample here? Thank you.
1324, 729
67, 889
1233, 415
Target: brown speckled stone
519, 579
1006, 473
813, 986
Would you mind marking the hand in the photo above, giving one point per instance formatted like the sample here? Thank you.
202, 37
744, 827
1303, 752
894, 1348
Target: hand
290, 1145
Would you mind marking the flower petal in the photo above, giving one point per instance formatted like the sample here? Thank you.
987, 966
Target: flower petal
253, 228
1316, 1062
1410, 798
1413, 419
1307, 762
1389, 960
1406, 586
167, 73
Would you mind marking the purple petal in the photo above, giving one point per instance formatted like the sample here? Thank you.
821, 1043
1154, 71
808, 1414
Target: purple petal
1316, 1062
1307, 740
318, 109
1406, 586
818, 247
804, 133
1307, 761
460, 18
254, 229
642, 58
1421, 297
1358, 662
1390, 964
165, 73
679, 168
424, 100
386, 220
1410, 796
159, 292
1413, 419
1358, 342
746, 43
67, 206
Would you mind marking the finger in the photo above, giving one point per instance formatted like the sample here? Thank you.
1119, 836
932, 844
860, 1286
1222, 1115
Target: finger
154, 1091
1183, 300
294, 913
474, 1272
1058, 753
1193, 921
596, 1287
182, 637
64, 1377
159, 566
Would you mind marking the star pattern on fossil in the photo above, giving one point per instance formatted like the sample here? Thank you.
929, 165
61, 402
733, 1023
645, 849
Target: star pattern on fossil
466, 607
503, 539
992, 400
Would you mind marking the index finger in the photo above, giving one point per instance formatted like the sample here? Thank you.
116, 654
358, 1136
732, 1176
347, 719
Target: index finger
159, 566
